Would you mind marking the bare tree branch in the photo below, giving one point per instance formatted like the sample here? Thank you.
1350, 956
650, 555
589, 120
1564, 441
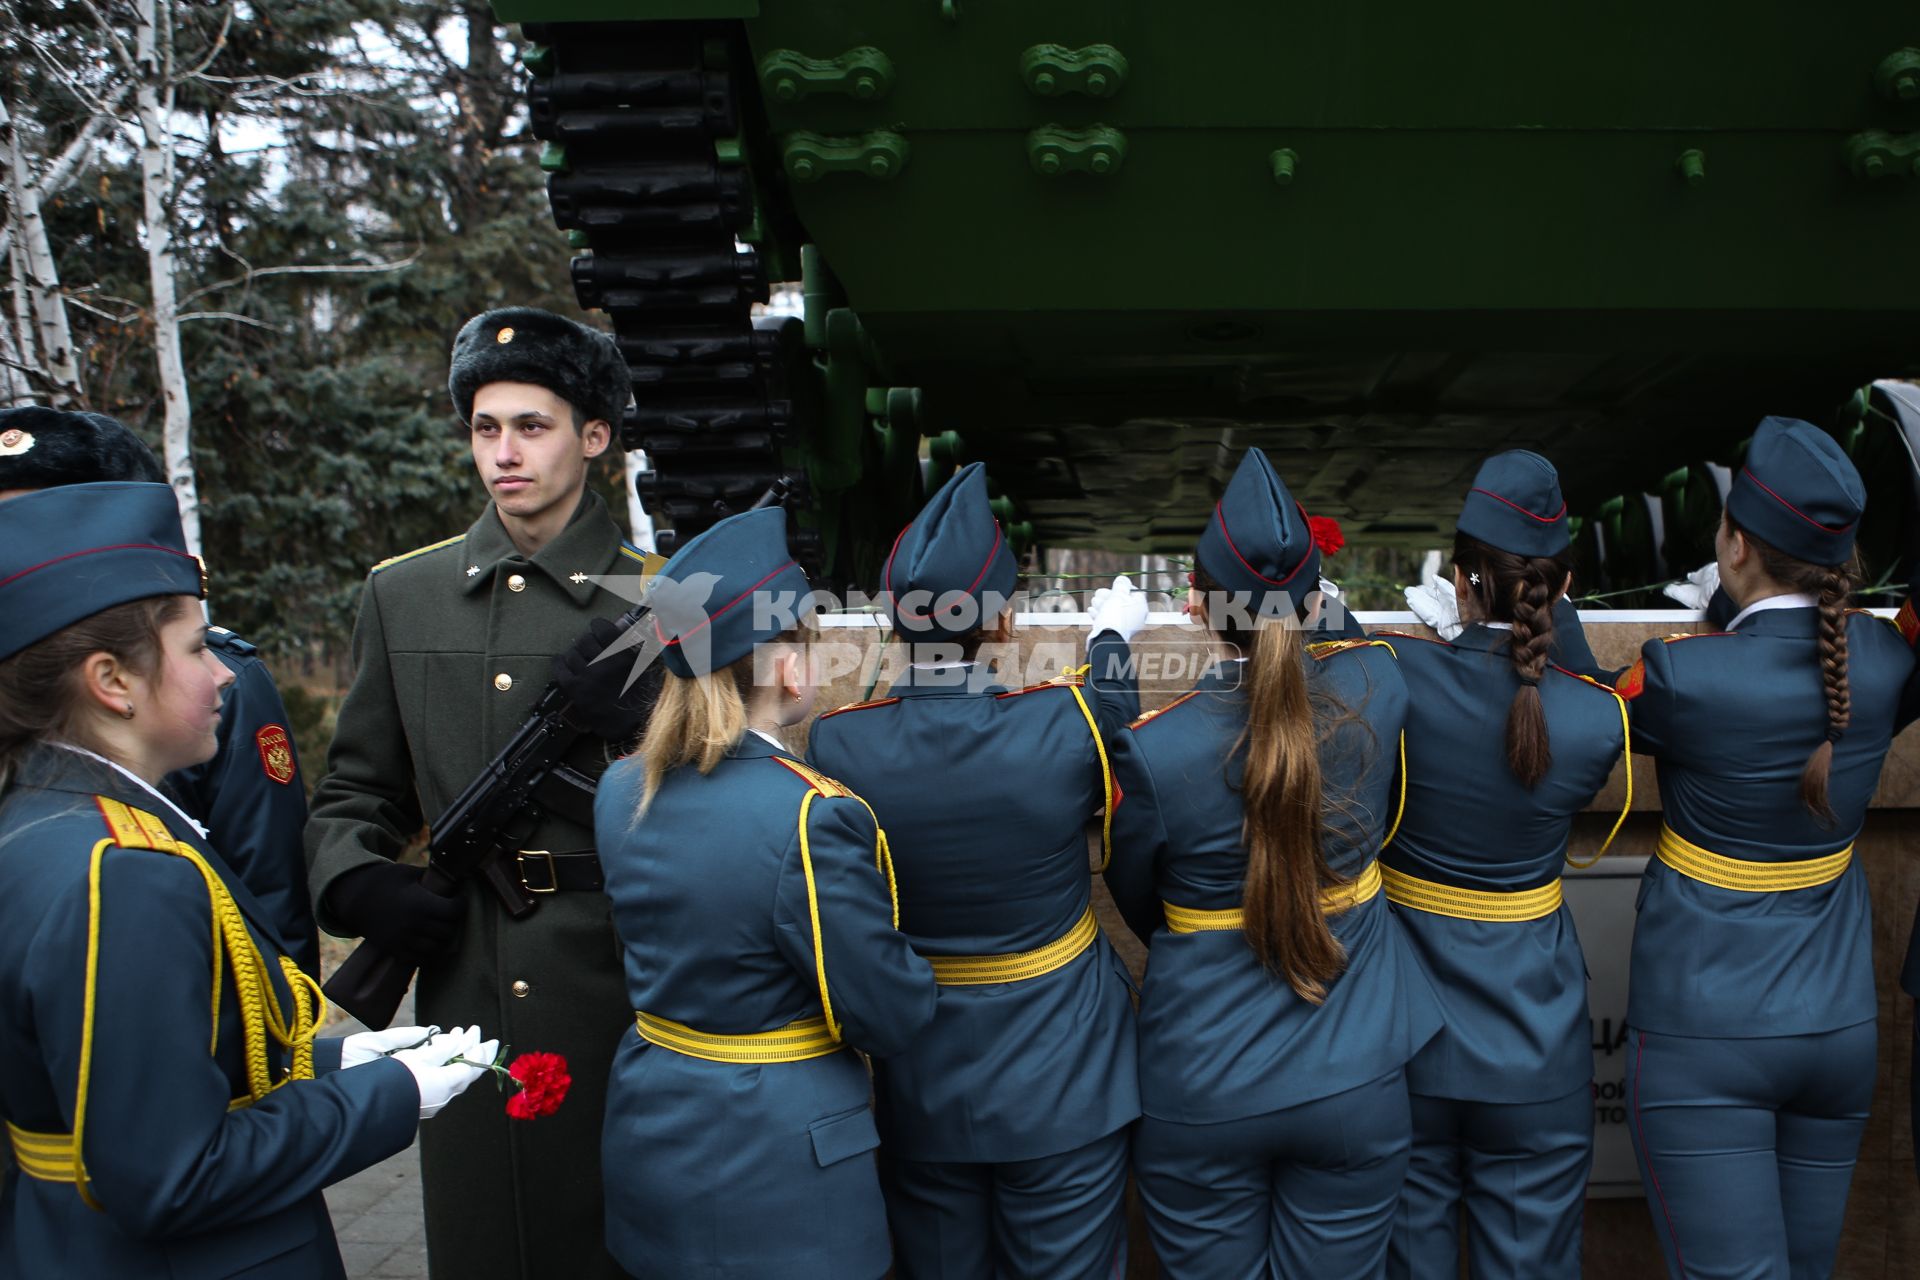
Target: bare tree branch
214, 50
237, 318
303, 269
120, 49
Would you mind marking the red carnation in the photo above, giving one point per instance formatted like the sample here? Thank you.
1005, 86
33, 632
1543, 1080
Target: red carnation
543, 1082
1326, 534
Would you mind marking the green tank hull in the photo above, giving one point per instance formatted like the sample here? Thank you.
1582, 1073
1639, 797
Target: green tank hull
1102, 247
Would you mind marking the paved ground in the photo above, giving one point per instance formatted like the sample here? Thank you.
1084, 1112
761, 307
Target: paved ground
376, 1213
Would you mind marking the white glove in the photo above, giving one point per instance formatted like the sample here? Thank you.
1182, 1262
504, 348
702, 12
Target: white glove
1117, 608
1434, 601
1330, 590
440, 1082
370, 1046
1697, 588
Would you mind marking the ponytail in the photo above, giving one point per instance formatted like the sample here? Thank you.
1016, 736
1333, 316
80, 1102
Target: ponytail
1520, 590
1830, 586
1284, 820
697, 720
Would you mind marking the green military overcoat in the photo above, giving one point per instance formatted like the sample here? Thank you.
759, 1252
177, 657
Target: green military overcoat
452, 648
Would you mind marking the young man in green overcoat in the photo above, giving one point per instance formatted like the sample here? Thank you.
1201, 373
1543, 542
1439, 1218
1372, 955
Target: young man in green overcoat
454, 643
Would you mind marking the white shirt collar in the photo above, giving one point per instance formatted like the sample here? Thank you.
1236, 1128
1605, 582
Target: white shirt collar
769, 737
1498, 626
138, 781
940, 666
1792, 600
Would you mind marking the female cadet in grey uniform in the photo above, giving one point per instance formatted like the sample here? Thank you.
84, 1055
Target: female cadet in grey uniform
1751, 1011
1007, 1119
170, 1110
1281, 1002
1502, 750
753, 900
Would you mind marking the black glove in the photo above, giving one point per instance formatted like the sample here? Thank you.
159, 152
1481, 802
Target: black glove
602, 704
385, 904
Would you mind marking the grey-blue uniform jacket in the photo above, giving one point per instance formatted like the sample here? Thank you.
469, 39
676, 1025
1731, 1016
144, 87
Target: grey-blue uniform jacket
188, 1186
1222, 1038
252, 799
1514, 992
1730, 718
748, 899
986, 795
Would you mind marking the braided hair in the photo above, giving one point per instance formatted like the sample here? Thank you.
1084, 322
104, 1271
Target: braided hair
1520, 590
1830, 586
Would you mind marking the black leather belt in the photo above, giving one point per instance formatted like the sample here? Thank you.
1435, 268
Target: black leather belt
573, 870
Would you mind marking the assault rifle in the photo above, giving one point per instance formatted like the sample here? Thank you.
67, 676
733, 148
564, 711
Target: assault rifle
482, 830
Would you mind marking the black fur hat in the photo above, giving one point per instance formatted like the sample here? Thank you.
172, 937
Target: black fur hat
43, 448
524, 344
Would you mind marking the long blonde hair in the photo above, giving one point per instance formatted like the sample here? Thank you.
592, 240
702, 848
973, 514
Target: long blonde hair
696, 721
1284, 807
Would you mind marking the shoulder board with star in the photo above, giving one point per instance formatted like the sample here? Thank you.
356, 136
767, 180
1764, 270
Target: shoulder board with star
1324, 649
857, 706
1160, 711
390, 561
814, 778
132, 828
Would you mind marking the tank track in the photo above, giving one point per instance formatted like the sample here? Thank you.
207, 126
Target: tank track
642, 122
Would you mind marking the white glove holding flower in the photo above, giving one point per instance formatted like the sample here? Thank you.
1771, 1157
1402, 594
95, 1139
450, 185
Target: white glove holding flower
1119, 608
1696, 588
370, 1046
1434, 601
439, 1078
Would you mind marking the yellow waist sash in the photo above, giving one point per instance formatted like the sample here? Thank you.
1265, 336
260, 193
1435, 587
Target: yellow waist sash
1333, 900
1689, 859
1471, 904
1018, 966
799, 1040
49, 1157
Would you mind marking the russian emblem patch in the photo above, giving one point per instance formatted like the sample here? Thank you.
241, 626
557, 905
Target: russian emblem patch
276, 753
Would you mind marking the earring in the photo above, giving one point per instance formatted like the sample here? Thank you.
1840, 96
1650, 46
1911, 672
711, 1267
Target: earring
794, 694
126, 711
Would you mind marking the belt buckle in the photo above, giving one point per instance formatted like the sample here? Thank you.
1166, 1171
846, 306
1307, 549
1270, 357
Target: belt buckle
553, 874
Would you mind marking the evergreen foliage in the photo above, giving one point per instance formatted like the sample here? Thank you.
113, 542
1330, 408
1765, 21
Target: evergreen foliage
331, 133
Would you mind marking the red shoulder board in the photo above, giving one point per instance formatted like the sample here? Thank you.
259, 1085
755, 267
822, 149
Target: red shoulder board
1035, 688
1632, 681
1908, 622
814, 778
1160, 711
276, 753
1586, 679
858, 706
1408, 635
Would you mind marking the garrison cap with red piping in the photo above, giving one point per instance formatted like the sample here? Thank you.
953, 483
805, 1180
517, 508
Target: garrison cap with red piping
1798, 493
950, 572
1259, 542
731, 588
1516, 505
71, 552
